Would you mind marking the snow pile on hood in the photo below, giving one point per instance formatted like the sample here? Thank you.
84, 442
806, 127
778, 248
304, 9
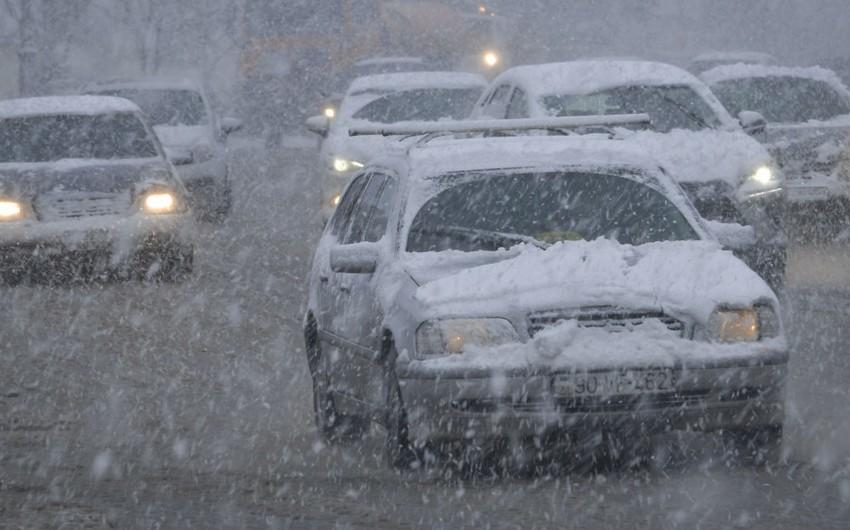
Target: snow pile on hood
185, 136
702, 156
689, 278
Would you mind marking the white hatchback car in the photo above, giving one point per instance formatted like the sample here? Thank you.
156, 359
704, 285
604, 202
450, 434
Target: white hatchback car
503, 289
84, 184
194, 137
385, 99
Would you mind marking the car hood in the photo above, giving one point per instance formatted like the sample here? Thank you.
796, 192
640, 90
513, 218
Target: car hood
704, 156
807, 148
30, 180
181, 136
684, 279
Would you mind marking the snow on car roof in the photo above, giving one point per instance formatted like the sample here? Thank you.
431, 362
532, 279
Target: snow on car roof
413, 80
583, 77
441, 156
51, 105
743, 71
389, 60
742, 56
148, 83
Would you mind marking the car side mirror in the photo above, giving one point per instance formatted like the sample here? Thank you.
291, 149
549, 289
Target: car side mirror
752, 122
732, 235
230, 125
359, 258
319, 125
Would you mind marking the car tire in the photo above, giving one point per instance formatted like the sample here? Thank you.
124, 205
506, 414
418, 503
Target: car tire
333, 427
760, 446
399, 452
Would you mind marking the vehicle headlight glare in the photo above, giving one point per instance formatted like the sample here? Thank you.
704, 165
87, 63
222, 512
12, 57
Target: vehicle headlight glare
763, 175
491, 59
735, 325
160, 202
342, 165
11, 211
329, 112
335, 200
455, 336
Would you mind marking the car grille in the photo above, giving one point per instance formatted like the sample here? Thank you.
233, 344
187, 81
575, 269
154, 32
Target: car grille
77, 205
605, 317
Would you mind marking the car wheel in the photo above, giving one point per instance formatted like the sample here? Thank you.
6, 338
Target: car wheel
761, 446
399, 452
332, 426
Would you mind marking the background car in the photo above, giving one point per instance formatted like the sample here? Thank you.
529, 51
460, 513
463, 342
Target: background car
728, 175
808, 130
494, 291
85, 188
191, 132
709, 60
386, 99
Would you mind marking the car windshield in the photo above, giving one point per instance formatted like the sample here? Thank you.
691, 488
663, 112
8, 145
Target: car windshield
487, 212
166, 107
669, 107
51, 138
425, 104
783, 99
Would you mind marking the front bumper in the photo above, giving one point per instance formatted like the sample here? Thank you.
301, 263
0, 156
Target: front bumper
25, 243
481, 405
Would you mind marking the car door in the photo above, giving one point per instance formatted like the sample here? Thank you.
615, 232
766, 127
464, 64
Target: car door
496, 105
518, 105
357, 308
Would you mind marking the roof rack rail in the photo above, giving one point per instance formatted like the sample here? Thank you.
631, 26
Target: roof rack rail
507, 125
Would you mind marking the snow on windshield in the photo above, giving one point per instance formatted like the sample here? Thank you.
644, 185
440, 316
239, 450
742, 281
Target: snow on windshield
783, 99
166, 107
428, 104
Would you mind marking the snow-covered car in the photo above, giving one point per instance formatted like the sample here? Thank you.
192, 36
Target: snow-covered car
730, 176
385, 99
808, 123
84, 183
365, 68
707, 61
190, 130
506, 288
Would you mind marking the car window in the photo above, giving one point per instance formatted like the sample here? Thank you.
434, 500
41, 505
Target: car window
518, 107
377, 225
370, 213
669, 107
491, 212
342, 216
166, 107
783, 99
496, 106
51, 138
429, 104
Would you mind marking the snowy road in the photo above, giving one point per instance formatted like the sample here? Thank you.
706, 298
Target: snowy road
134, 406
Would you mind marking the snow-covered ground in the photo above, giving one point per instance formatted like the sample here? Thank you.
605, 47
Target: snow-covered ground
176, 406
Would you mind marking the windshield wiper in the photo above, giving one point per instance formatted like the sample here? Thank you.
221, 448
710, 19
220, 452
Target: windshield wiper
694, 117
495, 235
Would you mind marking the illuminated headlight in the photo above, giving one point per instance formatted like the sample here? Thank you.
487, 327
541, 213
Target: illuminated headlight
159, 202
342, 165
329, 112
440, 337
743, 325
490, 59
764, 176
335, 200
11, 210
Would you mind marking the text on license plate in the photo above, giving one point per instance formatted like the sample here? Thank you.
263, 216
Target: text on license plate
623, 382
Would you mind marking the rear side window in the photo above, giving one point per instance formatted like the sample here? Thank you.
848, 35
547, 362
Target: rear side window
371, 212
342, 216
497, 105
518, 107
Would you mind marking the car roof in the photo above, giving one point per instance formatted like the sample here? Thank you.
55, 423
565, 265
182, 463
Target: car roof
583, 77
372, 61
745, 71
414, 80
146, 83
58, 105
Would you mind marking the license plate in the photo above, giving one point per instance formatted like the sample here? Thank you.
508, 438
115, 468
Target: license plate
619, 383
807, 193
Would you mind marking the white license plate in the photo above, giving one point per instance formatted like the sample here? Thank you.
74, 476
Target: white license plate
807, 193
619, 383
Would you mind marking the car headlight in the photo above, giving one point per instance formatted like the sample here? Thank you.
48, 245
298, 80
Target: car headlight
329, 112
440, 337
344, 165
11, 210
743, 325
764, 175
160, 202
